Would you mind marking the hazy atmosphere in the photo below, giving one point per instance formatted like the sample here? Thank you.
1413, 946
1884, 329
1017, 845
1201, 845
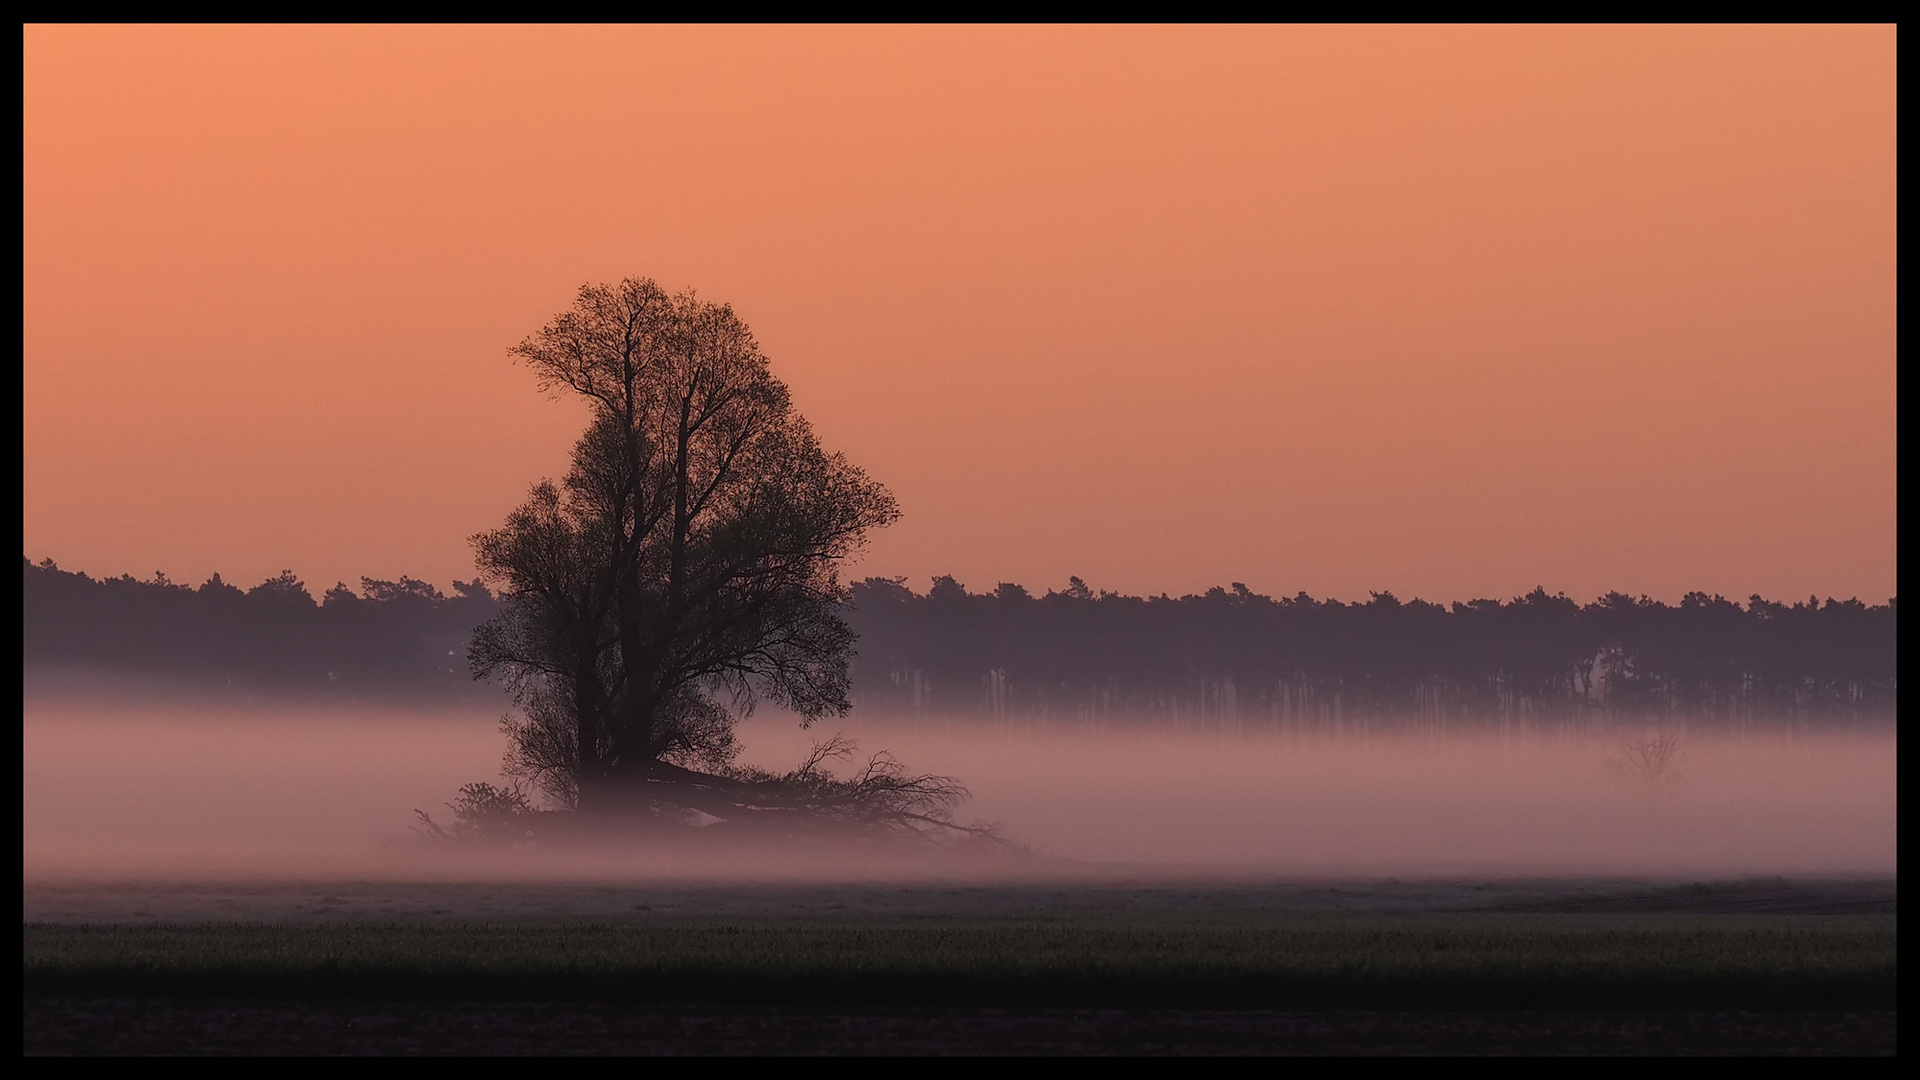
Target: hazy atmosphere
959, 539
1448, 312
1483, 365
176, 792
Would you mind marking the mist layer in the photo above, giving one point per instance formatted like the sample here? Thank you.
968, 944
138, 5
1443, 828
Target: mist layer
149, 792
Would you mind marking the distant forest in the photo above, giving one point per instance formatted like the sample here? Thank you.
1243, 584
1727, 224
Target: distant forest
1228, 656
1236, 656
391, 639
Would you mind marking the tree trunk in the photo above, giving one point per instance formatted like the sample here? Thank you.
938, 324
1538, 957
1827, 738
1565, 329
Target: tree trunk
588, 770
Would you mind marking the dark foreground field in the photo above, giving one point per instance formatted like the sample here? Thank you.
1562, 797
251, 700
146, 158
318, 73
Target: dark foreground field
1745, 968
223, 1027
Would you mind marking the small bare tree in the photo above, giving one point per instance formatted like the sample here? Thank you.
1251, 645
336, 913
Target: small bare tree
1650, 766
484, 814
1648, 761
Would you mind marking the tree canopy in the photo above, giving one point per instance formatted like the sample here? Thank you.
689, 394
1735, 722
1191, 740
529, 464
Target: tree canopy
687, 564
1234, 654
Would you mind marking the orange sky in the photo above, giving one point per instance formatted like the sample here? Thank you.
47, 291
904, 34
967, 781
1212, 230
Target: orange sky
1451, 312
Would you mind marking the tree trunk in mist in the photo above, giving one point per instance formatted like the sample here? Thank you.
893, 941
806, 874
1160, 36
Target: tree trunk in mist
586, 702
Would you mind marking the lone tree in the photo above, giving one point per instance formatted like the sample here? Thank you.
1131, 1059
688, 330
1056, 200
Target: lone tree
685, 568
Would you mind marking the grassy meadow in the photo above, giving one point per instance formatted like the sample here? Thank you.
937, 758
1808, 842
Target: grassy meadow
1232, 959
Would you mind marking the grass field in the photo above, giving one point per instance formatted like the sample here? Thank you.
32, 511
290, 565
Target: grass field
1100, 959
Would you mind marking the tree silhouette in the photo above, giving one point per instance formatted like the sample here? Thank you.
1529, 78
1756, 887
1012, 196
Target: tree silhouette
685, 567
391, 641
1237, 656
1076, 652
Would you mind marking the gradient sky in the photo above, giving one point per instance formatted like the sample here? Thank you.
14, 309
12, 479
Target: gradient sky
1447, 311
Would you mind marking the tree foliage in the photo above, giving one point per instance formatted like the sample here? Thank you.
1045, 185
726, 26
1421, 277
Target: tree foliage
1070, 652
389, 640
1233, 653
685, 567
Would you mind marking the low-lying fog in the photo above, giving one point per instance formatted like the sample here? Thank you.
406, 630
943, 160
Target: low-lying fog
139, 791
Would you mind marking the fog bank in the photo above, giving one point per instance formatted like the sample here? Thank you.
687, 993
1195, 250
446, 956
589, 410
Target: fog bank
118, 791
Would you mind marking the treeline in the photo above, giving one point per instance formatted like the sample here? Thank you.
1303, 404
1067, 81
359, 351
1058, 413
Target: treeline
1229, 655
1235, 656
391, 638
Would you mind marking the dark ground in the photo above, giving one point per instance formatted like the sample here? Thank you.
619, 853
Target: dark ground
159, 1027
534, 900
154, 1022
